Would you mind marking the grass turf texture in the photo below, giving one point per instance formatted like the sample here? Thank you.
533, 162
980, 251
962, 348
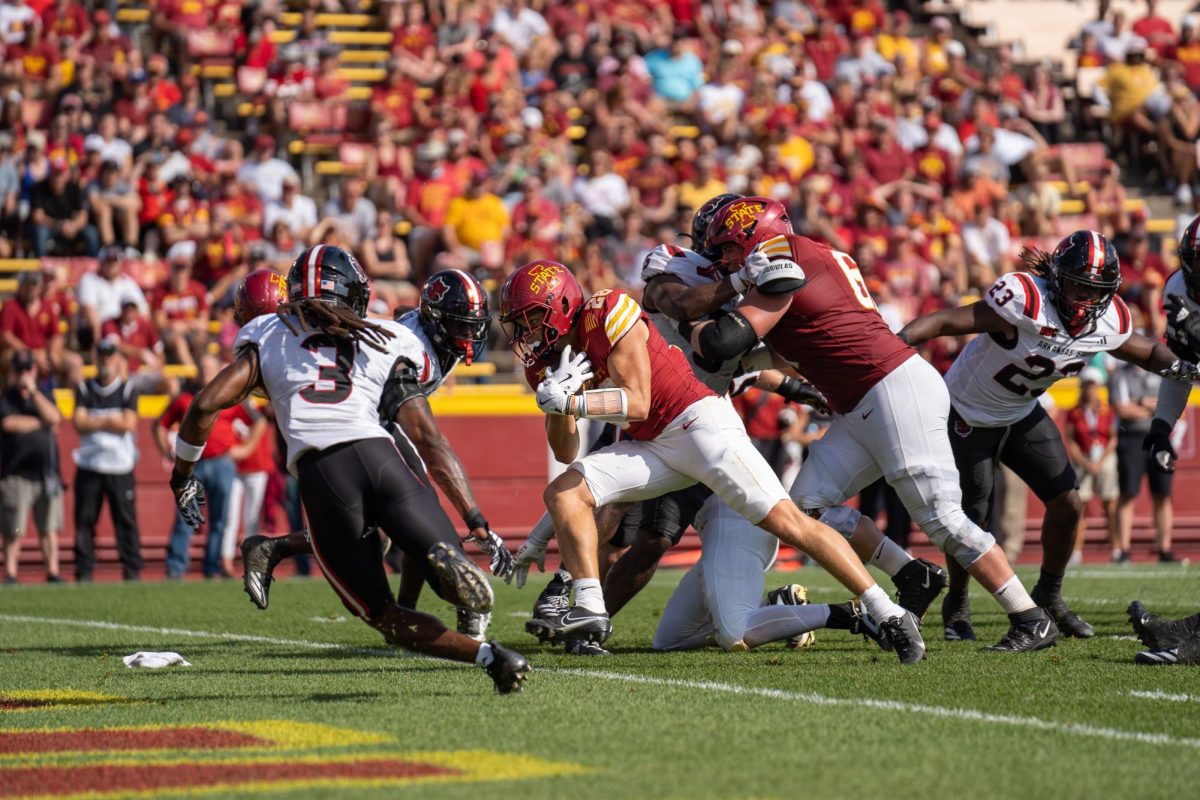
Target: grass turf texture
1054, 724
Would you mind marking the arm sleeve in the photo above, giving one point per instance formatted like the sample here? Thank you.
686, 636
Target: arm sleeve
1172, 399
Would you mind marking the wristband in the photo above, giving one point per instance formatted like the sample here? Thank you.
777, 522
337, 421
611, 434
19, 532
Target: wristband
791, 389
187, 452
475, 519
602, 405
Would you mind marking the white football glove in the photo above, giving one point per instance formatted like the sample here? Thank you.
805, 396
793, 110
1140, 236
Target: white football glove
742, 383
534, 550
553, 397
572, 371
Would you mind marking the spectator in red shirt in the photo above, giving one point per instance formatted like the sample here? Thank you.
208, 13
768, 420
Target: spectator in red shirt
215, 470
105, 49
825, 48
1092, 444
27, 323
328, 85
885, 159
181, 311
1186, 52
1157, 31
395, 98
185, 216
425, 201
135, 337
163, 91
65, 18
413, 43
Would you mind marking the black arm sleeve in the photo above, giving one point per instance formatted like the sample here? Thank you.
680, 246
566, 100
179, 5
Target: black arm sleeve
730, 335
402, 385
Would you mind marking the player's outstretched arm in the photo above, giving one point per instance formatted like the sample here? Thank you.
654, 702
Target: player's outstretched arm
960, 321
735, 333
1156, 357
1172, 394
671, 296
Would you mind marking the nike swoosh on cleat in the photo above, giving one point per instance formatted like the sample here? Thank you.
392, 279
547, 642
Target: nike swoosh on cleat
869, 413
926, 583
1042, 633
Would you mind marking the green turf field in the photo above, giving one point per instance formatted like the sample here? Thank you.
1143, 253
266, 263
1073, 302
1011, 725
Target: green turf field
839, 720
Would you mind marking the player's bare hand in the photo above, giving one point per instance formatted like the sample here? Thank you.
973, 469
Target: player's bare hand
190, 499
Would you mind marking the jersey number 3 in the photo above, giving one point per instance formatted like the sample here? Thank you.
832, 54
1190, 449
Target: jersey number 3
335, 359
1040, 368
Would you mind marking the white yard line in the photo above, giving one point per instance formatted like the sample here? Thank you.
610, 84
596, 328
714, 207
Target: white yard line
810, 698
1174, 698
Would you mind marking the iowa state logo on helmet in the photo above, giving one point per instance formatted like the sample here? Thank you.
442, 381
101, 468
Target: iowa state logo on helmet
436, 288
742, 213
544, 278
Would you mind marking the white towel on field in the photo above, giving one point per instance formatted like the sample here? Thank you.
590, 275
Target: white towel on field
155, 660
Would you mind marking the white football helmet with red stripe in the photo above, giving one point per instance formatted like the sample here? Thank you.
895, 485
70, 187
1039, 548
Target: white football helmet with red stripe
1086, 276
454, 314
331, 275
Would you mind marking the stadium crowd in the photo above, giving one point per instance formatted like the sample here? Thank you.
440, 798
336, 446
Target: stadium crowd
587, 132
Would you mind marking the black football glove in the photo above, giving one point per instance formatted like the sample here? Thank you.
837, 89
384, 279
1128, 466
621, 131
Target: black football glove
190, 499
1158, 443
798, 391
1183, 328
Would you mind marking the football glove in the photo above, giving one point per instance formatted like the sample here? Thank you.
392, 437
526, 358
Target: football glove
1183, 329
747, 274
529, 554
741, 383
501, 564
1182, 371
561, 383
190, 499
1158, 443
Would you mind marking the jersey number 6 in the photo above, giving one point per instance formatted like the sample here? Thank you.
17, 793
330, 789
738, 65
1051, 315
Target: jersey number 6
855, 279
335, 359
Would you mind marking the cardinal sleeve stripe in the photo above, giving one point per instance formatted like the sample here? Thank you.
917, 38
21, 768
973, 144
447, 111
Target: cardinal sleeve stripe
622, 317
1123, 319
1033, 300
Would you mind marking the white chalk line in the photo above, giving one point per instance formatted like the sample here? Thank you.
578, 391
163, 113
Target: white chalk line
810, 698
1159, 695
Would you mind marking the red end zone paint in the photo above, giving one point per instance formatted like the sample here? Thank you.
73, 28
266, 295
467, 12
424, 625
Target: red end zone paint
149, 739
99, 778
7, 703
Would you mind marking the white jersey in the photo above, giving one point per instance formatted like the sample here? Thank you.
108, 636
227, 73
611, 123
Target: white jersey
996, 381
325, 392
693, 269
1173, 395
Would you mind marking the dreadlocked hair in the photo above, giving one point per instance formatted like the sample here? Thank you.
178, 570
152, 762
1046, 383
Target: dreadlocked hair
1038, 262
337, 321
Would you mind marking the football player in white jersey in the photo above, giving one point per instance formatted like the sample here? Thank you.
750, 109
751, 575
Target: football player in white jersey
1036, 327
330, 374
449, 327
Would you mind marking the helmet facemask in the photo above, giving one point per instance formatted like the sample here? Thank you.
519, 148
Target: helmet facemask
1081, 302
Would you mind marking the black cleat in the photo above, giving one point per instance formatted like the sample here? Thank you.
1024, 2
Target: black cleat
1186, 652
1030, 630
462, 583
576, 623
956, 618
508, 669
260, 556
793, 595
1158, 633
1069, 623
552, 603
918, 585
473, 624
582, 647
903, 634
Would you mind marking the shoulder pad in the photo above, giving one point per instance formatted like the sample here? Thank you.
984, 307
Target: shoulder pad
621, 313
1018, 300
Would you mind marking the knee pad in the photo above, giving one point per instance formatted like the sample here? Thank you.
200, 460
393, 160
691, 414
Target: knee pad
955, 535
842, 519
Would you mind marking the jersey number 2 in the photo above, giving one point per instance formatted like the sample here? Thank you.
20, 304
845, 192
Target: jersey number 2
335, 360
1039, 367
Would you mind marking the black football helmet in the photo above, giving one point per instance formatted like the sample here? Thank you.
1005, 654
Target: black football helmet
703, 218
1086, 276
331, 275
1189, 258
454, 314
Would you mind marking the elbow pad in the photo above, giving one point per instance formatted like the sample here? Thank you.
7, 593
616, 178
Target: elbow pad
729, 336
402, 385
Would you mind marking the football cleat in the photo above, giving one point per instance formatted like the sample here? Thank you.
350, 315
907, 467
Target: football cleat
508, 669
903, 634
552, 603
956, 618
918, 584
1158, 633
462, 583
1029, 630
575, 623
473, 624
1186, 652
260, 556
582, 647
1069, 623
793, 595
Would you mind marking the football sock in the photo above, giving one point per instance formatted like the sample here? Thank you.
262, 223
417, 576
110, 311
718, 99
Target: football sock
1050, 583
879, 605
562, 575
589, 595
1012, 596
484, 657
774, 623
890, 557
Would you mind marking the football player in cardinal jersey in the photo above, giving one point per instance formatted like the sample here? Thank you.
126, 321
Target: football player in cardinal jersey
1040, 325
811, 306
331, 374
449, 326
680, 433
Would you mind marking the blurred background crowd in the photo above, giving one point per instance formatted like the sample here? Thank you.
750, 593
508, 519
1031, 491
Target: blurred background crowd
152, 154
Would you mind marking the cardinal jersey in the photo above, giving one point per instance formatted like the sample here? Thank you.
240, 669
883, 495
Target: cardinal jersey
832, 333
996, 380
692, 269
605, 319
326, 391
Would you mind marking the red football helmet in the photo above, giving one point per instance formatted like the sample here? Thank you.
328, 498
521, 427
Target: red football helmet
539, 286
259, 293
747, 223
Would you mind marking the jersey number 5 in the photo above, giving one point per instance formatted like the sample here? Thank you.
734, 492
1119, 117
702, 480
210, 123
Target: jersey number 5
855, 279
335, 360
1040, 367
